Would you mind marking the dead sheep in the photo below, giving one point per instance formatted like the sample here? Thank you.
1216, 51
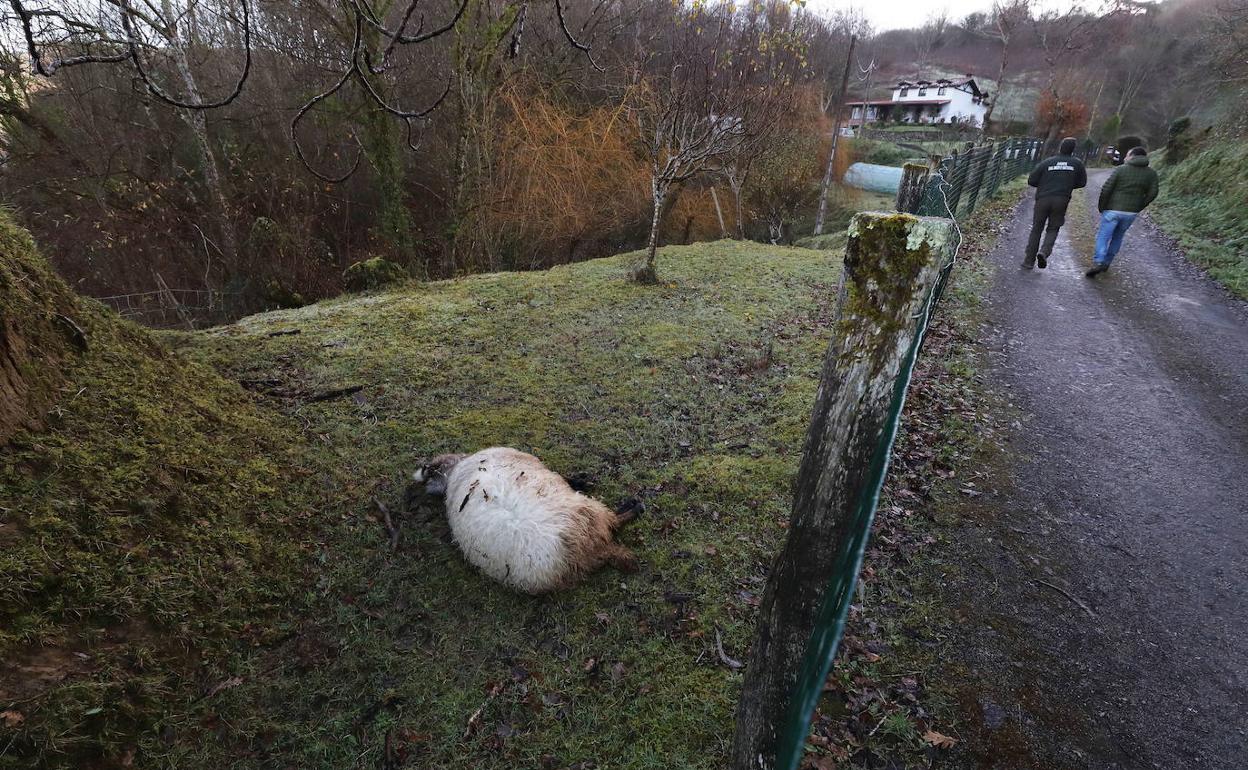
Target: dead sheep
521, 523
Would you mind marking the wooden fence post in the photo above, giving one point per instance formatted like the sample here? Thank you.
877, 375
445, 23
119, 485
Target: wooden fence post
913, 184
892, 262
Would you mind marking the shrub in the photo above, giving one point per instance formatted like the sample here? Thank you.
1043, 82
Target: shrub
374, 273
1178, 141
278, 294
565, 183
1126, 143
1109, 129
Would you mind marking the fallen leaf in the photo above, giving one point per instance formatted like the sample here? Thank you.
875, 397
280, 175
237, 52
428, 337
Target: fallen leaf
939, 740
233, 681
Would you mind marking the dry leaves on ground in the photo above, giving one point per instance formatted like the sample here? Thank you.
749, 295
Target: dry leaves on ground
939, 740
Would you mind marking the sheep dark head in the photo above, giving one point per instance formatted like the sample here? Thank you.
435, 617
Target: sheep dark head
434, 471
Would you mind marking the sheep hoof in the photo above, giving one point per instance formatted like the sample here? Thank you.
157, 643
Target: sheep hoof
629, 510
580, 482
623, 559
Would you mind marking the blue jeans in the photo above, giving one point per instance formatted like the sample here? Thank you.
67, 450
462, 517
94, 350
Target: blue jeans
1114, 225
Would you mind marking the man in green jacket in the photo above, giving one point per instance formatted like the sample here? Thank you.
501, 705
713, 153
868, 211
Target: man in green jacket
1131, 187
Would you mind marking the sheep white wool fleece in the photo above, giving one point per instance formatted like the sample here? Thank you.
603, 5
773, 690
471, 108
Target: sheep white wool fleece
515, 519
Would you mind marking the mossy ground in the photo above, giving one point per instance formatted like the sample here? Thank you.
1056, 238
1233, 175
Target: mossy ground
138, 540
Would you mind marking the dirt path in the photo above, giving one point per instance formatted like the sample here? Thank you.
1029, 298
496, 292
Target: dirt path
1129, 493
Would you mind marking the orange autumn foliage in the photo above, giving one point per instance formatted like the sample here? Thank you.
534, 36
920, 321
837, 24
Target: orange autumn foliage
1061, 114
563, 183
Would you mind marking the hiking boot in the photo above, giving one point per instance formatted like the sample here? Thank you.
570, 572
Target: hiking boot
1097, 269
1042, 261
1029, 263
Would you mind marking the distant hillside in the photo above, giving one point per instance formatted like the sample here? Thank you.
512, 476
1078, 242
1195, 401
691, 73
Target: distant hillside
1149, 63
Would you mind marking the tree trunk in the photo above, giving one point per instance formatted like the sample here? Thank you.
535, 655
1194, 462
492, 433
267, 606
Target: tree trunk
891, 264
1095, 102
719, 213
647, 273
737, 183
836, 133
992, 103
385, 155
198, 124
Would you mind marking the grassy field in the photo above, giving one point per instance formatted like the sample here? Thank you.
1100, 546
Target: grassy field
693, 395
141, 534
220, 569
206, 580
1202, 206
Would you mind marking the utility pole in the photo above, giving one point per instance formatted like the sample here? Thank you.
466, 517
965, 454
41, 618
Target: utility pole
836, 134
866, 73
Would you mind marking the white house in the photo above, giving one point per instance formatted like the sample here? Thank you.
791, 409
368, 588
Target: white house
924, 101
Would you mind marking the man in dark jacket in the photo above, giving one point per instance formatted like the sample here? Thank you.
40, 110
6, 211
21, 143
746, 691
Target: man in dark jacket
1131, 187
1055, 179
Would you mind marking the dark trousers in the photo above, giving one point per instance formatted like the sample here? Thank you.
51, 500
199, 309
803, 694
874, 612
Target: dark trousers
1048, 216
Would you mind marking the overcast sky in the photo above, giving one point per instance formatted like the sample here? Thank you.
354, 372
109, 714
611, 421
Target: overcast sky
898, 14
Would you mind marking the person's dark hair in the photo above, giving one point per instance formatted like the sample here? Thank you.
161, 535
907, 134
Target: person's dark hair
1067, 146
1136, 151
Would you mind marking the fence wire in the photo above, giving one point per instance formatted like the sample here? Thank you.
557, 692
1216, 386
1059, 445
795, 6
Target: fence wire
979, 172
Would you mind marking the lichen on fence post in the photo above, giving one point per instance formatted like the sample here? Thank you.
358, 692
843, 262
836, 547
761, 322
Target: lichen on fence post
892, 262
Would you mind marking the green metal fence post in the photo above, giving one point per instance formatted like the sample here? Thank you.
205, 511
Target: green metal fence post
957, 181
979, 164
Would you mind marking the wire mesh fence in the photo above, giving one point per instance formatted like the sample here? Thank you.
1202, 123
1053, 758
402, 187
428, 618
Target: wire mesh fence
167, 308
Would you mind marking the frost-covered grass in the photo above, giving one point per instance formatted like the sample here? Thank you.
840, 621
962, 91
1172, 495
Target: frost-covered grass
196, 576
693, 394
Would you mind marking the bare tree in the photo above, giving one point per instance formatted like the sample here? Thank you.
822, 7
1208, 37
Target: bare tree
152, 39
1063, 36
1230, 40
1002, 24
836, 133
928, 38
710, 95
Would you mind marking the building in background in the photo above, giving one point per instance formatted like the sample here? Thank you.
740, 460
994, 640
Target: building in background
940, 101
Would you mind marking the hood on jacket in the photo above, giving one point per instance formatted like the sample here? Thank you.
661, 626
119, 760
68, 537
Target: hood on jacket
1138, 160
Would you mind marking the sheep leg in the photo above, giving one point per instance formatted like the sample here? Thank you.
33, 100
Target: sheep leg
631, 509
620, 557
